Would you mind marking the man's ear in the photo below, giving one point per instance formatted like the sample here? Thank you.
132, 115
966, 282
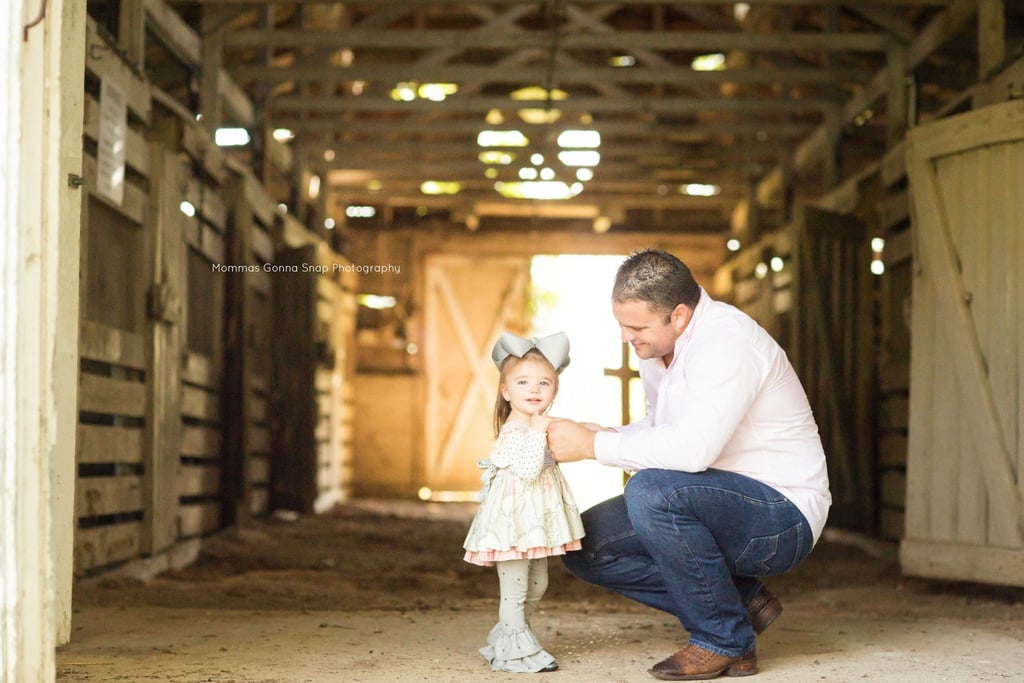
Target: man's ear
680, 317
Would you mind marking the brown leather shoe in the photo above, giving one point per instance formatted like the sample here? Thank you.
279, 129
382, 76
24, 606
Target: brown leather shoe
694, 663
763, 609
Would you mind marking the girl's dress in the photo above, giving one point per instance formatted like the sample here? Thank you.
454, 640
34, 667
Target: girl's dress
527, 510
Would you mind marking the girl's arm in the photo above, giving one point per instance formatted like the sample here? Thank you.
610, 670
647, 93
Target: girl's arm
521, 450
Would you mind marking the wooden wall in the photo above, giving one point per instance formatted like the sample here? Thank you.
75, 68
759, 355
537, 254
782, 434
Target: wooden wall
878, 197
177, 373
965, 499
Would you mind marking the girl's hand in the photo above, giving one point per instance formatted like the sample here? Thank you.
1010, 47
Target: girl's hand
539, 422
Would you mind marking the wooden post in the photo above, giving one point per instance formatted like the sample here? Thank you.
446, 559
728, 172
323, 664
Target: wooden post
624, 374
40, 142
237, 361
991, 37
896, 108
165, 312
293, 466
131, 34
210, 106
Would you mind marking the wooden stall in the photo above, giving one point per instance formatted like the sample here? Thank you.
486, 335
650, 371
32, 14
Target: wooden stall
312, 424
965, 514
116, 336
808, 284
177, 377
249, 292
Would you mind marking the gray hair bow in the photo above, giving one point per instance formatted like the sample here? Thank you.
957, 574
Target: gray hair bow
554, 347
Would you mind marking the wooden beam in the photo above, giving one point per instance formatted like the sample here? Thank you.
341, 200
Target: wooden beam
521, 40
458, 73
186, 45
897, 109
210, 103
991, 37
577, 105
645, 130
933, 36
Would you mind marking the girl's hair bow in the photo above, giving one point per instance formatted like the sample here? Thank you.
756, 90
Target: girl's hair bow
554, 347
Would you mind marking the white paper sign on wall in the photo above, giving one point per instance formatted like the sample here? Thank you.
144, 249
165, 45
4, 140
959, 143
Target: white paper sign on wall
111, 147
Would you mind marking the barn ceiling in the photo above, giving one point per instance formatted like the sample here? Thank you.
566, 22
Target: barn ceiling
680, 147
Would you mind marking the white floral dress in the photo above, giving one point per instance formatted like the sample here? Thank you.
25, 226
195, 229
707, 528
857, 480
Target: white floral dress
527, 510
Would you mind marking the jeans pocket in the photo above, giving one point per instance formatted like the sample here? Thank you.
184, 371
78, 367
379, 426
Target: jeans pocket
769, 555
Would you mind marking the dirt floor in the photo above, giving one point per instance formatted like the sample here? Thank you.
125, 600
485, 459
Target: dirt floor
377, 591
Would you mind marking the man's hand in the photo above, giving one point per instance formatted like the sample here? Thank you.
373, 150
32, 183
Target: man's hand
570, 441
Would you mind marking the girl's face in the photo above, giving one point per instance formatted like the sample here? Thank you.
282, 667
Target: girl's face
529, 387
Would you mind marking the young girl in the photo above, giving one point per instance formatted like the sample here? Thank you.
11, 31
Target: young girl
527, 512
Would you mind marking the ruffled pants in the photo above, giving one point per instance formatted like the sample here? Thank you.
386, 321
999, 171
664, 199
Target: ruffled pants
511, 644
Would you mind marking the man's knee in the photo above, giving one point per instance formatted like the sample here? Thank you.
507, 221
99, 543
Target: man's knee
650, 494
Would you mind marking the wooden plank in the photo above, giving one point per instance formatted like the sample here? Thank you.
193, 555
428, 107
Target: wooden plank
898, 248
96, 496
103, 444
104, 545
201, 371
263, 246
259, 502
106, 395
97, 341
261, 282
213, 246
136, 153
200, 404
259, 470
962, 561
894, 165
133, 206
262, 205
893, 209
213, 209
892, 449
259, 439
198, 480
891, 523
198, 519
259, 409
894, 488
894, 376
201, 442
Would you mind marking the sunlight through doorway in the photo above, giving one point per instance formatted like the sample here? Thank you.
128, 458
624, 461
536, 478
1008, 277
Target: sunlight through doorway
572, 294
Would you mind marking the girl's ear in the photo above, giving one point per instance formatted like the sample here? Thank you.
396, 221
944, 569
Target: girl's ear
504, 393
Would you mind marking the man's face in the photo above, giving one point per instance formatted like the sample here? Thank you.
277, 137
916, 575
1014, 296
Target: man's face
647, 330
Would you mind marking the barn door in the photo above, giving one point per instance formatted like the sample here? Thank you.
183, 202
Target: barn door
966, 451
469, 302
830, 346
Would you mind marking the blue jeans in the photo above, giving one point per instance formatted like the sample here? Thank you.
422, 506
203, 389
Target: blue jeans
693, 545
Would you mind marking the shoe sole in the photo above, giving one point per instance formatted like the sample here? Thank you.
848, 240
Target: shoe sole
737, 670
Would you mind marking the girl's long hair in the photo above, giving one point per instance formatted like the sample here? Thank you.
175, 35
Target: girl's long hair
502, 408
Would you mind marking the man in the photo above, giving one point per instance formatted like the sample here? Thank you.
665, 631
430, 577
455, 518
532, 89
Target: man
729, 480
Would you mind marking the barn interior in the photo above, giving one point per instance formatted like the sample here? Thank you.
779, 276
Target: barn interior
266, 247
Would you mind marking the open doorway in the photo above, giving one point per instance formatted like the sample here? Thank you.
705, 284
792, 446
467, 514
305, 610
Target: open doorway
572, 294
